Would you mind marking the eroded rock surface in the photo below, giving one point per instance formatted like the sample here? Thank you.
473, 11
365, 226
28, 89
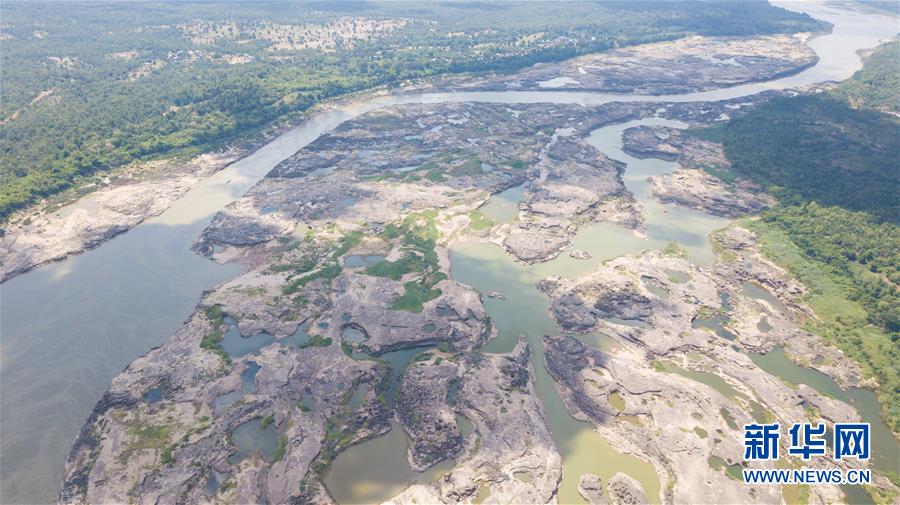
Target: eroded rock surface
590, 487
424, 411
346, 248
626, 491
575, 185
510, 438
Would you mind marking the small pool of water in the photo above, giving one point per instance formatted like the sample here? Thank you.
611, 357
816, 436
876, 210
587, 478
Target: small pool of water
250, 437
600, 341
153, 396
616, 401
715, 323
655, 288
465, 426
678, 276
248, 378
248, 386
633, 323
238, 346
359, 394
375, 476
757, 292
353, 334
298, 338
857, 495
503, 207
221, 403
710, 379
214, 483
307, 402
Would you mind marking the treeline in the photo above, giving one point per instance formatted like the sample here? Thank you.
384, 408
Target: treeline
836, 171
854, 246
120, 82
877, 84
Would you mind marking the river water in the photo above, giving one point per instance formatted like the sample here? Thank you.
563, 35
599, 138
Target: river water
66, 329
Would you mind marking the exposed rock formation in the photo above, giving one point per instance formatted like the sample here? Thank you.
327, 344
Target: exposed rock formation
693, 186
590, 487
623, 490
423, 409
682, 66
498, 396
676, 393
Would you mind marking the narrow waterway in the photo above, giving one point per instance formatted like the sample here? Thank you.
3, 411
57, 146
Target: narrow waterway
66, 329
885, 447
488, 268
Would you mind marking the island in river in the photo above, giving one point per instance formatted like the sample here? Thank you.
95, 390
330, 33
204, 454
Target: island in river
587, 376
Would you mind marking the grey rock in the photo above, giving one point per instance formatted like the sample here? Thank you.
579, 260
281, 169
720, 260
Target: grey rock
624, 490
590, 487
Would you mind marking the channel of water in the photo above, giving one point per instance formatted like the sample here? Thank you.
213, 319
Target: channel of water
67, 328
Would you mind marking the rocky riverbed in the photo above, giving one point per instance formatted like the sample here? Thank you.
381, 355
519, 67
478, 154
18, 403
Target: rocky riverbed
678, 392
681, 66
347, 325
40, 236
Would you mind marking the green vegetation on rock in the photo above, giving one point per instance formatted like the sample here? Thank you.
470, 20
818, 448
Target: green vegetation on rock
278, 455
316, 341
212, 340
479, 221
418, 234
842, 319
416, 293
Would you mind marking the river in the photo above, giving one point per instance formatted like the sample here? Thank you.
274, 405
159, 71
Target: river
67, 328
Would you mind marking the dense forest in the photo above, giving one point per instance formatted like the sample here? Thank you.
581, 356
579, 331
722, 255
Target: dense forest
836, 171
818, 148
88, 87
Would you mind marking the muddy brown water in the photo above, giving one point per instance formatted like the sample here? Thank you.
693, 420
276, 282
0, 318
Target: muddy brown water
67, 328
